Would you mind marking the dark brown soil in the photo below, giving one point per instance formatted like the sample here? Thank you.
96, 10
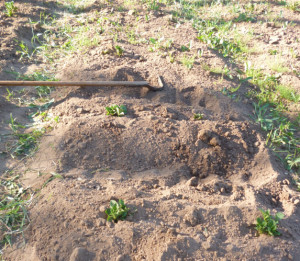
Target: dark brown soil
195, 186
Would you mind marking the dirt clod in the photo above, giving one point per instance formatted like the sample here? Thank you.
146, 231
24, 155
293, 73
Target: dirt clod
215, 141
204, 135
81, 254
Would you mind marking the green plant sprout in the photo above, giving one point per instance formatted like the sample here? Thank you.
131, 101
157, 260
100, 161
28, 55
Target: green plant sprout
10, 94
198, 116
117, 211
116, 110
10, 8
13, 214
188, 62
27, 142
119, 50
268, 224
183, 48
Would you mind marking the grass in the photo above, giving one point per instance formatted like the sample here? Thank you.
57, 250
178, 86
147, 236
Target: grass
287, 93
279, 67
215, 34
223, 71
159, 43
14, 200
53, 177
11, 9
10, 95
295, 6
27, 143
41, 91
188, 61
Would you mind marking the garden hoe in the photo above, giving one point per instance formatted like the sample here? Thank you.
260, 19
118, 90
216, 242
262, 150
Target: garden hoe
86, 83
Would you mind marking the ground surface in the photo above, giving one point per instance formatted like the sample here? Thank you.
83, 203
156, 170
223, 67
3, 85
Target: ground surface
195, 186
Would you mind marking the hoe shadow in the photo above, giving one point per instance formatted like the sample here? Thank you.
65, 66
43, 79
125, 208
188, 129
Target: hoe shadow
123, 74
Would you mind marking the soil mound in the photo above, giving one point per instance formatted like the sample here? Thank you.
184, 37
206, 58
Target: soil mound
194, 186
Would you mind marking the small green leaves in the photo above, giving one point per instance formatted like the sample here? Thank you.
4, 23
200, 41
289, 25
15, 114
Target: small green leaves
183, 48
198, 116
119, 50
13, 214
10, 8
117, 211
116, 110
188, 61
268, 224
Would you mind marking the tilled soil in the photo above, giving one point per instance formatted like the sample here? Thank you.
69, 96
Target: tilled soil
194, 187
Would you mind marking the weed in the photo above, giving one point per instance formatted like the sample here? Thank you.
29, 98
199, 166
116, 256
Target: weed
293, 161
42, 91
13, 213
117, 211
160, 44
230, 92
279, 67
273, 52
280, 133
198, 116
214, 34
10, 8
146, 18
261, 116
244, 17
183, 48
287, 93
116, 110
153, 5
188, 61
295, 6
24, 51
53, 176
268, 224
27, 142
119, 50
10, 94
225, 71
171, 57
132, 37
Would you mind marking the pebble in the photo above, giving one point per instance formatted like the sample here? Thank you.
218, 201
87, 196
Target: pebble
102, 208
131, 12
79, 110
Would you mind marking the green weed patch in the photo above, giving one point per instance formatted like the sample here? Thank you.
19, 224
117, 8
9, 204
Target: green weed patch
117, 211
13, 214
268, 224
